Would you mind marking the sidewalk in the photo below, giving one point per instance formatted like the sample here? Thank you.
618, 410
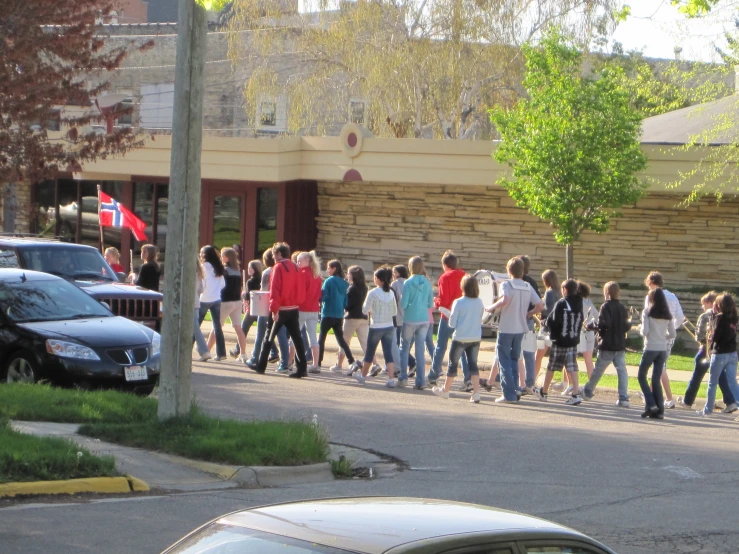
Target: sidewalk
485, 358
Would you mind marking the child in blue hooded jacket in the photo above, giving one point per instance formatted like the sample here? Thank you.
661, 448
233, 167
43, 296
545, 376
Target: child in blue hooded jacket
417, 299
333, 297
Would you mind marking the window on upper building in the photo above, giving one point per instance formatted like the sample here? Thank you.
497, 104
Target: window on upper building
357, 111
126, 120
156, 106
268, 114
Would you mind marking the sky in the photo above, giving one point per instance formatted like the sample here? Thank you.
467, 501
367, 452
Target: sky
656, 27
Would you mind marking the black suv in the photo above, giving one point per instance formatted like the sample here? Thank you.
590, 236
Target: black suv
85, 267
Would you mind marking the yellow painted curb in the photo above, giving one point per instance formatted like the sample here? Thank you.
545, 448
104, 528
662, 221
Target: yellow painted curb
225, 472
137, 485
109, 485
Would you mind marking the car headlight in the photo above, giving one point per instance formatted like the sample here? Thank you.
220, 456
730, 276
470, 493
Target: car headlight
156, 344
65, 349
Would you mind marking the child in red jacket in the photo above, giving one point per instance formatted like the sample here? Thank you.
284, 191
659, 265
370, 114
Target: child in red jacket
450, 288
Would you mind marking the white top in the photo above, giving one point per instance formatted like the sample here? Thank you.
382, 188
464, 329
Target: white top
212, 285
466, 319
199, 288
513, 315
675, 309
656, 332
381, 307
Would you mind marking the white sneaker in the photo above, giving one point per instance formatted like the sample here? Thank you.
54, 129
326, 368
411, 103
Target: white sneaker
358, 376
384, 371
391, 383
336, 369
440, 392
566, 392
574, 400
401, 383
475, 398
623, 403
314, 369
502, 400
243, 359
731, 408
375, 370
204, 357
681, 403
540, 395
669, 404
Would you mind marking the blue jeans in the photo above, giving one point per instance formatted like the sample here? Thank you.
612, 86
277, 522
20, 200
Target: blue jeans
721, 363
652, 395
508, 350
470, 351
606, 358
386, 335
199, 338
442, 339
529, 361
262, 322
699, 372
215, 316
413, 332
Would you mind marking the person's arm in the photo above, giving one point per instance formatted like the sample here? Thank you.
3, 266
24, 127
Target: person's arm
627, 320
502, 302
275, 290
430, 297
454, 315
644, 323
604, 320
405, 297
536, 302
439, 300
367, 306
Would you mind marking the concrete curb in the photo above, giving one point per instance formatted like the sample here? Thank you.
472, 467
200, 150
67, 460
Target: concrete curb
107, 485
259, 476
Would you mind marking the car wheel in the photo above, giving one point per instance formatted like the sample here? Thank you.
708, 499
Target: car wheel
67, 233
21, 367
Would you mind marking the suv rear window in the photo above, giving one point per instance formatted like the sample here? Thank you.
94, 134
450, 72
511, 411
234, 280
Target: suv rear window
68, 262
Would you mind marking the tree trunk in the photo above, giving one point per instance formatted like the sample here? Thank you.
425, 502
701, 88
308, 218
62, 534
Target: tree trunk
184, 213
570, 261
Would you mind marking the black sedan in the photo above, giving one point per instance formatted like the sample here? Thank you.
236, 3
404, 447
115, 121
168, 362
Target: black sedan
52, 330
383, 526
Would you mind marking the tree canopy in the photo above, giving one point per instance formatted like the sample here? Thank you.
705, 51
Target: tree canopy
572, 144
53, 66
419, 68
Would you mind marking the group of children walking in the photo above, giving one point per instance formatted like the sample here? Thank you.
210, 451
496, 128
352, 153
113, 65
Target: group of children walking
398, 313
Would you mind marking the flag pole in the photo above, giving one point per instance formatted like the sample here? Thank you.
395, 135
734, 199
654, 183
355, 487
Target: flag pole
100, 223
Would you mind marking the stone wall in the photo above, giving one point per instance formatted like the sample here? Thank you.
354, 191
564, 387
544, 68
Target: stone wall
696, 248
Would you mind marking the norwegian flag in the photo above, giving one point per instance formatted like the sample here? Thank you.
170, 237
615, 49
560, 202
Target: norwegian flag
115, 214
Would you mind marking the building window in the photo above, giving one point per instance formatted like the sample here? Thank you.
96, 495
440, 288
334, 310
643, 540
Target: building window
268, 114
156, 106
52, 123
267, 218
356, 111
126, 120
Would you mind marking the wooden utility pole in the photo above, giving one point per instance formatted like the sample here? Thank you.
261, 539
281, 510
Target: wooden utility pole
184, 212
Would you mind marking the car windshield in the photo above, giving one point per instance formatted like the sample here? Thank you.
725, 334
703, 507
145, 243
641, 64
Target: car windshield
69, 262
220, 538
48, 300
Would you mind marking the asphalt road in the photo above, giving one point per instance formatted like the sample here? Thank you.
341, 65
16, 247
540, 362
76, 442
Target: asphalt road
640, 486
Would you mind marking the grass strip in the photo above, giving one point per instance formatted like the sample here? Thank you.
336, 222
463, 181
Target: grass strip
46, 403
201, 437
26, 458
611, 382
679, 362
131, 420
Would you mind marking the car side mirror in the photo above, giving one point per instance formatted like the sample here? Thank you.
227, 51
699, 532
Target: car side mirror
104, 303
122, 276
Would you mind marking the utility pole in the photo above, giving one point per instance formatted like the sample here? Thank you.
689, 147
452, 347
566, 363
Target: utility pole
184, 212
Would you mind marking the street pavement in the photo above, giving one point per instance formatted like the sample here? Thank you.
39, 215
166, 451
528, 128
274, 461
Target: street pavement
640, 486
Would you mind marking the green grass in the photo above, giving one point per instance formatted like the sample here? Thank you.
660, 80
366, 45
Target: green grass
29, 458
202, 437
132, 420
611, 382
46, 403
679, 362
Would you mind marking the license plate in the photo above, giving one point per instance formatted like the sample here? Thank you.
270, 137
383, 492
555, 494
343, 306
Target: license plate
136, 373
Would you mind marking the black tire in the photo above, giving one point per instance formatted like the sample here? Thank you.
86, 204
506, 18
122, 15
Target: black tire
21, 367
67, 232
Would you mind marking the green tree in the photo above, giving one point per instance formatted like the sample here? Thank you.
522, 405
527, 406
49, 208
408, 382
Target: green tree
573, 143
